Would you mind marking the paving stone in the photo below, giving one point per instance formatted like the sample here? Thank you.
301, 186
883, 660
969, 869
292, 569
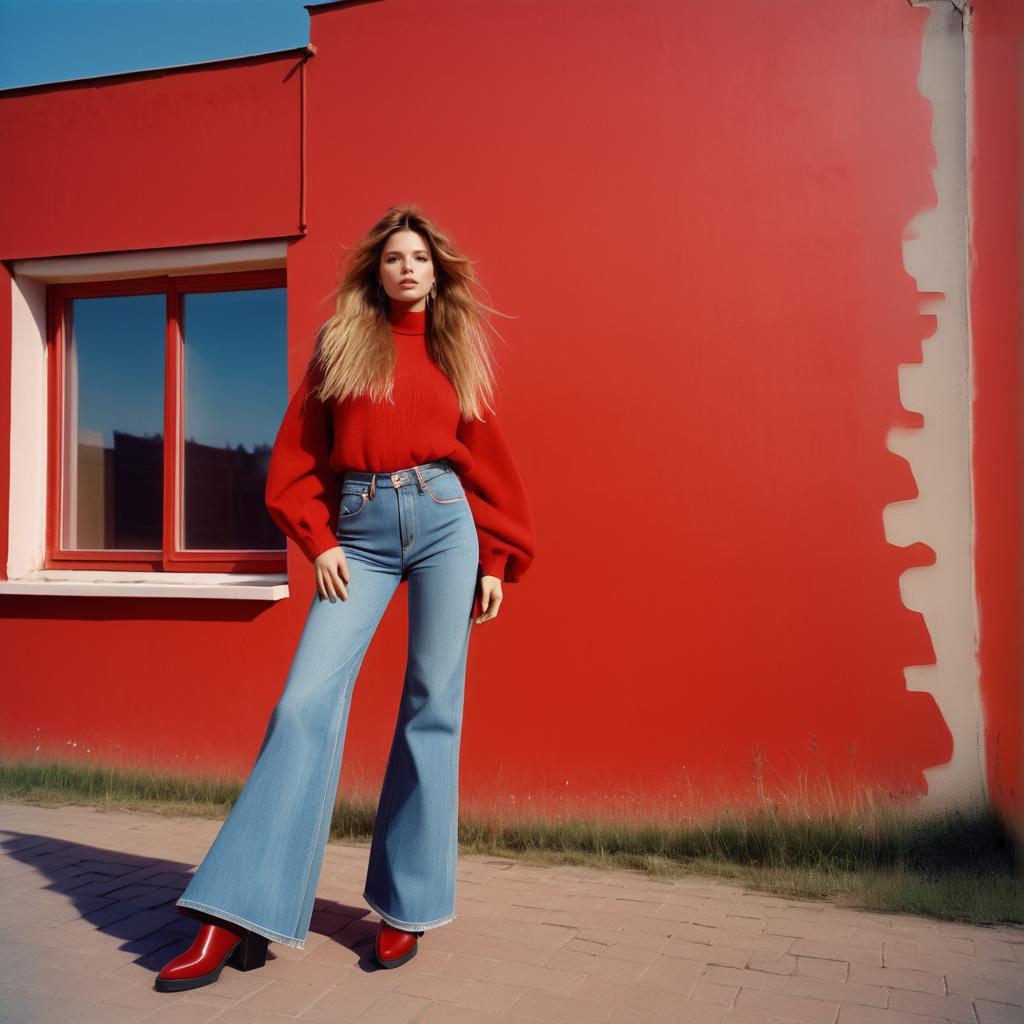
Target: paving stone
952, 1008
996, 1013
288, 997
468, 967
530, 976
839, 991
25, 1006
340, 1006
777, 944
108, 1013
725, 956
857, 1013
895, 977
487, 995
636, 996
836, 951
979, 967
176, 1012
396, 1008
813, 1011
770, 962
982, 988
709, 992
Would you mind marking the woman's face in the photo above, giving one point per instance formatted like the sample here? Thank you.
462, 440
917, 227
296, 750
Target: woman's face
406, 269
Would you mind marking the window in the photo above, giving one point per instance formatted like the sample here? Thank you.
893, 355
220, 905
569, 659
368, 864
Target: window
165, 397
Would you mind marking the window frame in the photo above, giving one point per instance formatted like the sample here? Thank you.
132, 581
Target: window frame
171, 557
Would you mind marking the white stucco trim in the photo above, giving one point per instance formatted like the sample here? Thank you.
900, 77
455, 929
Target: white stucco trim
108, 583
936, 254
26, 537
28, 441
192, 259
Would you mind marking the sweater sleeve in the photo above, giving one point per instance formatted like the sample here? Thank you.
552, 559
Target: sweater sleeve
497, 498
303, 493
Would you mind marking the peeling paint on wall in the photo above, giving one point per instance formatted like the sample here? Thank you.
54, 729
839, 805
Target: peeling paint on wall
938, 451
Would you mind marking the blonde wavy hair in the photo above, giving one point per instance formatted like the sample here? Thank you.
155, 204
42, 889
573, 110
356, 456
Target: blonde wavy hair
355, 352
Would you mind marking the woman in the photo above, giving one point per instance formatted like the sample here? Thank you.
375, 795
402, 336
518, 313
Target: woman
384, 469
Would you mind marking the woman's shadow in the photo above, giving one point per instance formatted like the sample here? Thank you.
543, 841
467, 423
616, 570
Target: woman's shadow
132, 899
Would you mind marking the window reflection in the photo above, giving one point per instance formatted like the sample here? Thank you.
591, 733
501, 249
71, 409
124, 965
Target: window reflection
233, 402
112, 493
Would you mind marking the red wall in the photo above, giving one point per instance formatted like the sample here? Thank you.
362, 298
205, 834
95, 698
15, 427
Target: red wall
998, 232
695, 213
157, 159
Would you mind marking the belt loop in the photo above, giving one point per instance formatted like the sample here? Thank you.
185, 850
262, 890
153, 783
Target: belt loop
373, 485
420, 483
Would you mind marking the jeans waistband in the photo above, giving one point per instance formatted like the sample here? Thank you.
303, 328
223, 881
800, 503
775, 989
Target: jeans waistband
399, 477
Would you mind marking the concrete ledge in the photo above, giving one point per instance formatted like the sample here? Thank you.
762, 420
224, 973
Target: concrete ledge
225, 586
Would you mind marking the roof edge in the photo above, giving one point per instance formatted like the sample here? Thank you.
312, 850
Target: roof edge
308, 51
316, 8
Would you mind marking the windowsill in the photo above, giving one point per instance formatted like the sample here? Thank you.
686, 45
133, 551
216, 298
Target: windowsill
222, 586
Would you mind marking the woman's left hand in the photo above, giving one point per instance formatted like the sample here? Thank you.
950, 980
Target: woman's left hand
489, 596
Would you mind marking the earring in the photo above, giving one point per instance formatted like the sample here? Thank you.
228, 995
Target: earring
432, 294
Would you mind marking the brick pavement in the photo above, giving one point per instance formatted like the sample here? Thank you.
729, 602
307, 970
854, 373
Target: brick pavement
88, 919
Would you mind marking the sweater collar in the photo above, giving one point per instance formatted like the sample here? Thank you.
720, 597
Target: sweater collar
408, 322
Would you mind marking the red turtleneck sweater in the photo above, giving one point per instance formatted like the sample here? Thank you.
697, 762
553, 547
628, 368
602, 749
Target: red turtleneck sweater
315, 446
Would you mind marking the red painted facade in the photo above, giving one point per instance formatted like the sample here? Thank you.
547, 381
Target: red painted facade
695, 214
996, 335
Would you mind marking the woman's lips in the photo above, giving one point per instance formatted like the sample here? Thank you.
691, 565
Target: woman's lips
411, 284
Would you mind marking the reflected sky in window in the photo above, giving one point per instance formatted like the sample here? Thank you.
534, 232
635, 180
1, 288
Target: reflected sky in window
118, 360
235, 366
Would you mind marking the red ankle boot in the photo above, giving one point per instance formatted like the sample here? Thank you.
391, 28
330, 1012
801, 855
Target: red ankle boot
214, 946
395, 946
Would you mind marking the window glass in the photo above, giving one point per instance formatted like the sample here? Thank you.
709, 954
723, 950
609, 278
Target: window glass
234, 397
112, 476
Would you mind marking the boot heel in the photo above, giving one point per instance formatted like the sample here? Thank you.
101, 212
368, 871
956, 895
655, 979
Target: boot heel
251, 952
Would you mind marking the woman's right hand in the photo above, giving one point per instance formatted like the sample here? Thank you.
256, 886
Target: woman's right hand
332, 574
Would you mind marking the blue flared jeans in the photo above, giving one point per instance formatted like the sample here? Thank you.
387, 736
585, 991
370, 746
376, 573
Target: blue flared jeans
262, 869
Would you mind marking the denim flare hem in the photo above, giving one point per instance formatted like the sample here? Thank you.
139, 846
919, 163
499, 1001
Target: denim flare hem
409, 926
285, 940
413, 527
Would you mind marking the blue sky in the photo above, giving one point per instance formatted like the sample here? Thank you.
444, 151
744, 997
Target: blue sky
56, 40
